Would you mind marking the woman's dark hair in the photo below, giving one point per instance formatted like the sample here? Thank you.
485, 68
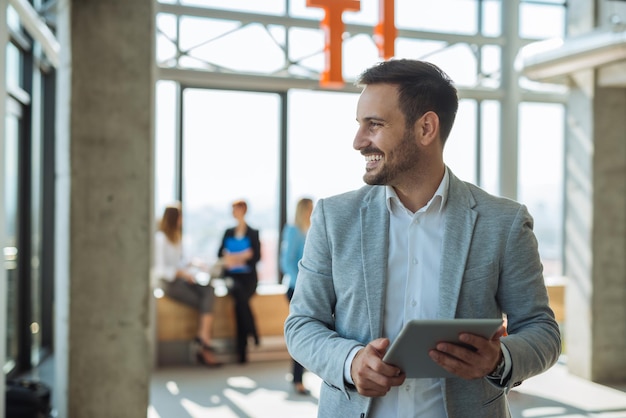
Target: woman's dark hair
169, 223
422, 87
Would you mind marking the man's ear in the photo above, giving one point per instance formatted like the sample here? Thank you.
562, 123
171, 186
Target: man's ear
428, 128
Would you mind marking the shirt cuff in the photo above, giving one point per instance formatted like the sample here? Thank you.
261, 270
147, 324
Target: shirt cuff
347, 366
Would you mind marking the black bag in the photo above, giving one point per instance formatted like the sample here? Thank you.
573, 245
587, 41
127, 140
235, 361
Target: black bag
27, 399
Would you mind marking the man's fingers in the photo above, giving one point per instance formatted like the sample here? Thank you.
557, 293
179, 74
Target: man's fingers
371, 376
465, 362
380, 345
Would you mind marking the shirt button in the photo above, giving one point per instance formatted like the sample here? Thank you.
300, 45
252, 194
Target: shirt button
407, 388
413, 303
415, 261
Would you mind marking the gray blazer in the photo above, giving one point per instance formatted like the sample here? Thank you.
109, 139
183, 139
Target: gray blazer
490, 265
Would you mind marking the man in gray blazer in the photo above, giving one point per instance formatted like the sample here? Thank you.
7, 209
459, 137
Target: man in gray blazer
417, 243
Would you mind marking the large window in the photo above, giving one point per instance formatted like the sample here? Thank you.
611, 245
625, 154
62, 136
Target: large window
28, 199
460, 151
321, 160
300, 139
12, 247
230, 151
166, 151
541, 177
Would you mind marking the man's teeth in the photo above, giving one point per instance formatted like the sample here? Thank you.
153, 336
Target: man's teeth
369, 158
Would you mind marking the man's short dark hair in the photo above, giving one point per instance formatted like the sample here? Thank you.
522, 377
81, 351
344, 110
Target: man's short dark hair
422, 87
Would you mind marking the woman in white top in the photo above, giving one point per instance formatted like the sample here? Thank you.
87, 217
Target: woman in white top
177, 278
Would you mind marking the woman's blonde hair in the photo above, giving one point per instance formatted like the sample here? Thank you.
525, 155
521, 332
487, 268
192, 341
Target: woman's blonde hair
303, 214
170, 224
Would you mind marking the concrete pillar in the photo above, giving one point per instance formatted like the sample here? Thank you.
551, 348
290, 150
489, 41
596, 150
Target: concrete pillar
104, 208
609, 236
595, 221
578, 210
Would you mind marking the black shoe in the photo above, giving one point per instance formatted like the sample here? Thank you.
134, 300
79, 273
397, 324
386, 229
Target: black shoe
203, 345
212, 364
255, 338
300, 389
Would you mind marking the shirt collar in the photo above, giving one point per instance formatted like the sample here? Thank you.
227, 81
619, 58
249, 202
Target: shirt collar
436, 203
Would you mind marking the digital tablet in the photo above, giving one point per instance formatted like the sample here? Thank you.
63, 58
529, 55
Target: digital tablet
410, 349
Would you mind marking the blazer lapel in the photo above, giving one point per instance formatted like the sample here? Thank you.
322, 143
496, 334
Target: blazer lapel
375, 249
460, 220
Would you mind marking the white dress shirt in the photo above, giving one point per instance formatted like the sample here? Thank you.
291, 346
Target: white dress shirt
414, 265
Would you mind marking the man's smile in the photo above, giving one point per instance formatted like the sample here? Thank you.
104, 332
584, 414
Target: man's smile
372, 160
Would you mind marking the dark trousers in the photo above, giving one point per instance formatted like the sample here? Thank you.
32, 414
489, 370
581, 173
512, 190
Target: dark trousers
192, 294
242, 289
297, 368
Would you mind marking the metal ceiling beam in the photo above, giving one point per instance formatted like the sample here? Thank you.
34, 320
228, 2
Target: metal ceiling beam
235, 81
555, 60
37, 28
288, 21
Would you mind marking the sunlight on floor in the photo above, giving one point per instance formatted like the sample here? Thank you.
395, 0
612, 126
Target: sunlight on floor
197, 411
264, 390
241, 382
544, 412
172, 388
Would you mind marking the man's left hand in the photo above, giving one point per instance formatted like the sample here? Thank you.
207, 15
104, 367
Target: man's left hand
465, 362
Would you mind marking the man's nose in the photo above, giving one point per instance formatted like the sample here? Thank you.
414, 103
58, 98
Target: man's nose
360, 140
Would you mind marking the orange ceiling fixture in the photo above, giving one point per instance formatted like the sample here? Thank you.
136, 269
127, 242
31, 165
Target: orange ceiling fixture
333, 27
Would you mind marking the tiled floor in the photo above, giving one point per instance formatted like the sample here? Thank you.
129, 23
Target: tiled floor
262, 389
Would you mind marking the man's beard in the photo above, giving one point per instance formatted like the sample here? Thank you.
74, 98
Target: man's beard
396, 162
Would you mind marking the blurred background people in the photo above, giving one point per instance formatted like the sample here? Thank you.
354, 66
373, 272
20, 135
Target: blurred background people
241, 251
291, 248
177, 278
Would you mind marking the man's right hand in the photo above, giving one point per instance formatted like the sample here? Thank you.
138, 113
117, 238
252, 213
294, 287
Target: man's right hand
371, 376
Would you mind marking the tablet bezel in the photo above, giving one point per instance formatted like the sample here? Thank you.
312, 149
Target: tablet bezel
409, 351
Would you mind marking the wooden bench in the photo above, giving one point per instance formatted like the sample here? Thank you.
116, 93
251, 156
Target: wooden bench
556, 294
177, 325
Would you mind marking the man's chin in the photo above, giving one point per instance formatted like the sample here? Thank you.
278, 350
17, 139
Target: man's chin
372, 180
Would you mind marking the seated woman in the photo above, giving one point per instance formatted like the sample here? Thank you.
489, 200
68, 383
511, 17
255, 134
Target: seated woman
178, 281
241, 251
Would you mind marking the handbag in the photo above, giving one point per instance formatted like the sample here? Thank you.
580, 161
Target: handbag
217, 270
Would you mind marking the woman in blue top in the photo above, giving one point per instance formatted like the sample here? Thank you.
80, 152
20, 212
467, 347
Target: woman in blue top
292, 246
241, 251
